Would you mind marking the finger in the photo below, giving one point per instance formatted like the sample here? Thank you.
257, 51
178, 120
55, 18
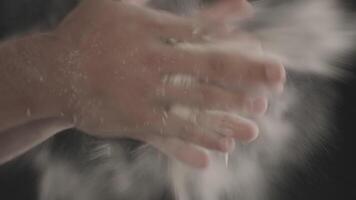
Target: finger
163, 24
210, 97
229, 125
192, 29
175, 127
222, 67
171, 125
192, 133
210, 22
184, 29
182, 151
210, 125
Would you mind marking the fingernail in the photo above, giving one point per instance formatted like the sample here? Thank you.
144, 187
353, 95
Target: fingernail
245, 130
276, 74
250, 132
257, 105
227, 144
252, 137
235, 126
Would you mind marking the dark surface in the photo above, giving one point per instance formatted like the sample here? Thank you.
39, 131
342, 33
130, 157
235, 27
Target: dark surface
17, 16
18, 181
331, 175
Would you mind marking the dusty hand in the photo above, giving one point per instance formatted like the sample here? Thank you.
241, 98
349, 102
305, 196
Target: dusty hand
126, 81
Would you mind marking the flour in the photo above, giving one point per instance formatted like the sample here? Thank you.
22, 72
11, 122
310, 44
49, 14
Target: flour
305, 35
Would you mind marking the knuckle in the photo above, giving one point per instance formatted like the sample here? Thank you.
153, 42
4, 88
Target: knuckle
209, 96
225, 119
217, 65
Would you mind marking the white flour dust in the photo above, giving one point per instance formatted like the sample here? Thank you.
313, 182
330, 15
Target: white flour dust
306, 35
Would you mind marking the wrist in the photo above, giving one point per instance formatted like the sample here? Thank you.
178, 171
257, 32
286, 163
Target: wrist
34, 80
70, 91
57, 82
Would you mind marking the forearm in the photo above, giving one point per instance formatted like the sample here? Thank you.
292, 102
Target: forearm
36, 92
33, 83
33, 86
18, 140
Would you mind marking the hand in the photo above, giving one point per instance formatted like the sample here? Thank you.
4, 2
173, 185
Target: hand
132, 79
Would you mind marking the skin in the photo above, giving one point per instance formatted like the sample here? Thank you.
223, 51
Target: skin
103, 71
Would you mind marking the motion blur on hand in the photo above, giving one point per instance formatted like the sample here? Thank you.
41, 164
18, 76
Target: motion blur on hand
138, 80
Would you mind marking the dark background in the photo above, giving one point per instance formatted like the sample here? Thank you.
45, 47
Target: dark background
331, 175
